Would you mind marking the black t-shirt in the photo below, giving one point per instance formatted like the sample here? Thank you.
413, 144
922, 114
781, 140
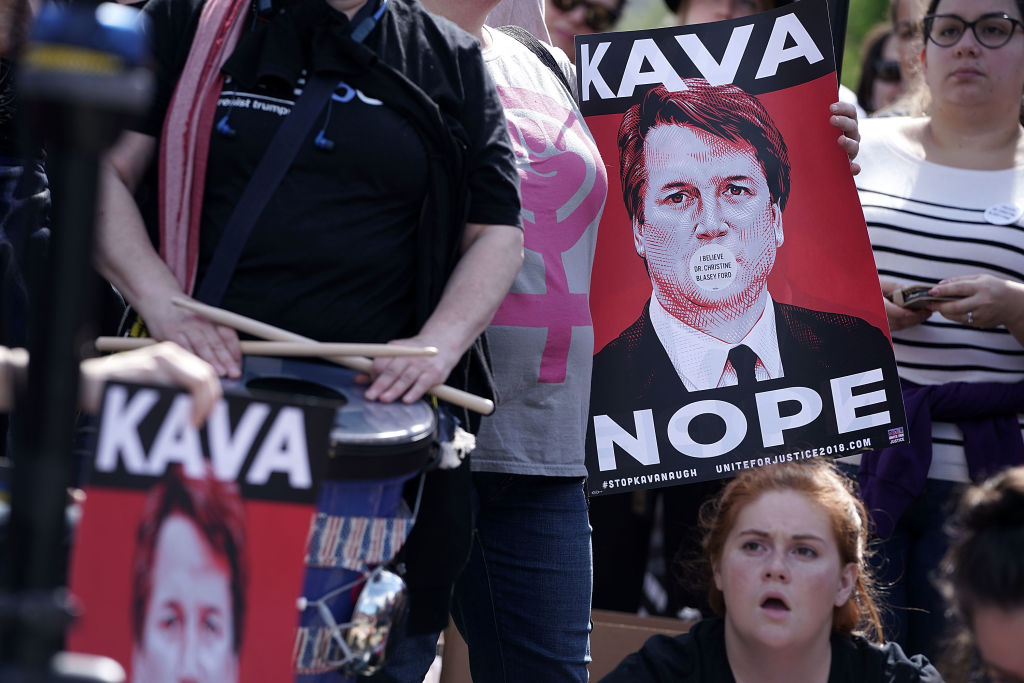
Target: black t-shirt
333, 254
699, 657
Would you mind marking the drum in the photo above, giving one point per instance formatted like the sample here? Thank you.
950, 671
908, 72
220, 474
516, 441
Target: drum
361, 519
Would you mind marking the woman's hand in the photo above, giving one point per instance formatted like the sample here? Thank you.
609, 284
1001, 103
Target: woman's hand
900, 318
409, 377
987, 302
491, 258
164, 363
844, 117
216, 344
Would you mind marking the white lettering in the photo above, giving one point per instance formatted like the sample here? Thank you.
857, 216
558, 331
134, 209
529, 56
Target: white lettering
646, 50
679, 429
284, 450
772, 422
589, 74
776, 53
846, 403
231, 449
717, 73
177, 441
119, 429
643, 447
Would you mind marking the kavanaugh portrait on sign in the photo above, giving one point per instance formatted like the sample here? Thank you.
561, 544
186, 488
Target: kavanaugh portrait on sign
734, 353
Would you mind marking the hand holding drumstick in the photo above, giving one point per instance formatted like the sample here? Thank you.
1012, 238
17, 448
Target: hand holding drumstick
260, 329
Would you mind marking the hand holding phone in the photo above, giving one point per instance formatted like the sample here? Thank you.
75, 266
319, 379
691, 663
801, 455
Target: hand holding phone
916, 296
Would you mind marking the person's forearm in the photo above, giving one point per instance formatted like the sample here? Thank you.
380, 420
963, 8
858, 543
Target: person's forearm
477, 287
165, 364
124, 253
126, 257
491, 258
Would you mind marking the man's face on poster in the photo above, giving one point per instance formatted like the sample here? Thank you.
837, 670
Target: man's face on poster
188, 630
710, 227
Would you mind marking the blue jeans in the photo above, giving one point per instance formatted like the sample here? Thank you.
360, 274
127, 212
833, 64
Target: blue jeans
522, 603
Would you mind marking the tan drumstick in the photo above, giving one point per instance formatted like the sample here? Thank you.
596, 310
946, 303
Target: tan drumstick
477, 404
284, 348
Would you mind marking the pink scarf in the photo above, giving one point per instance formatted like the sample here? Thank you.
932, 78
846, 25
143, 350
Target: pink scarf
186, 136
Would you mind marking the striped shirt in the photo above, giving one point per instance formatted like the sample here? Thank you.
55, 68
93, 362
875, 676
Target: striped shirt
926, 223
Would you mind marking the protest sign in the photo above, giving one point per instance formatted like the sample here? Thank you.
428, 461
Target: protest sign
189, 556
737, 313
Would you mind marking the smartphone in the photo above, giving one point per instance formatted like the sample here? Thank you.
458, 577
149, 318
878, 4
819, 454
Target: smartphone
916, 296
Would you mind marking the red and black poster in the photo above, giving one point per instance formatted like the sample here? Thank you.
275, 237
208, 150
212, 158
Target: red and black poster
737, 314
189, 556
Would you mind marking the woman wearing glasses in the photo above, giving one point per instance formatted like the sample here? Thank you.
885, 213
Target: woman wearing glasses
943, 197
569, 18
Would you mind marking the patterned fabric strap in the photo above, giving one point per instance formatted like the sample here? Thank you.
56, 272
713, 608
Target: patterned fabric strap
185, 141
315, 652
353, 543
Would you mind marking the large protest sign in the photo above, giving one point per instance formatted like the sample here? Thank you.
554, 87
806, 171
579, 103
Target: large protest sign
189, 556
737, 313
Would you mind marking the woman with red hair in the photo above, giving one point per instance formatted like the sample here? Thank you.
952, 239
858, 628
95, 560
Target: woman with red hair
785, 555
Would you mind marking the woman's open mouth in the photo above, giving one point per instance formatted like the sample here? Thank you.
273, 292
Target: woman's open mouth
774, 604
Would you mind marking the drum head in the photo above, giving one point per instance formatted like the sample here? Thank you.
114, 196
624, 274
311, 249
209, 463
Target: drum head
369, 439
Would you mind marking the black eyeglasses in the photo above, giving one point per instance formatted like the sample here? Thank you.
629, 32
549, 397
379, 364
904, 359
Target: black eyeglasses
597, 17
991, 30
888, 70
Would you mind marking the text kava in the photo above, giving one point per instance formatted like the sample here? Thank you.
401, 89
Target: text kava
647, 65
644, 446
283, 449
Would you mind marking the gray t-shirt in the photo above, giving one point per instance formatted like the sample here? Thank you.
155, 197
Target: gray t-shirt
542, 337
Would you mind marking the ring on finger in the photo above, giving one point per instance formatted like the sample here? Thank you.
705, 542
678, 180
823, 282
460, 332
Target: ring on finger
970, 317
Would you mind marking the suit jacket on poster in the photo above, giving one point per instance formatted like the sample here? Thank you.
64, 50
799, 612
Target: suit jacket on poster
634, 371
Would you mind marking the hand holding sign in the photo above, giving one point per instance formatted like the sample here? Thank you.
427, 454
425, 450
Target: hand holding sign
163, 363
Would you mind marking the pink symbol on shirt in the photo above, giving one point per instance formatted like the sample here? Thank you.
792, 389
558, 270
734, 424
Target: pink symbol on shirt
563, 184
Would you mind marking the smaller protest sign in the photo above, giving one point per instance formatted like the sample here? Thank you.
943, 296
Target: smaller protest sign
189, 556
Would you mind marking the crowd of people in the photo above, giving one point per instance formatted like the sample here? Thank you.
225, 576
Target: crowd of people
425, 204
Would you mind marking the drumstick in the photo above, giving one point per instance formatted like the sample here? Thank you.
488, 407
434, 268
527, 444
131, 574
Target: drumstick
477, 404
283, 348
